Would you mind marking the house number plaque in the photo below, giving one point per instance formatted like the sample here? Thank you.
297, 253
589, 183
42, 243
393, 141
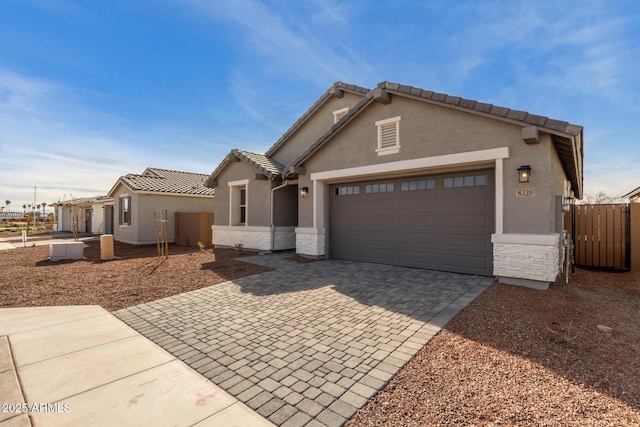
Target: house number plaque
525, 192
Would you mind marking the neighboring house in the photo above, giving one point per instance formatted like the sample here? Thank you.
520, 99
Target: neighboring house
91, 214
138, 196
633, 196
404, 176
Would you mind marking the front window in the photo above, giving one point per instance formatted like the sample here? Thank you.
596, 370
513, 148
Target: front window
239, 202
243, 206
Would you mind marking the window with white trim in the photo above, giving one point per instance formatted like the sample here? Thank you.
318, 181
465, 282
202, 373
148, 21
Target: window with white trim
125, 210
238, 202
338, 114
243, 205
388, 136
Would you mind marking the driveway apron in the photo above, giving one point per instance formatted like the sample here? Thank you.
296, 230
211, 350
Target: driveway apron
306, 344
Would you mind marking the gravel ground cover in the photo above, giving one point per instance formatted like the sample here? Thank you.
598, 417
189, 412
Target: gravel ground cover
517, 356
514, 356
28, 278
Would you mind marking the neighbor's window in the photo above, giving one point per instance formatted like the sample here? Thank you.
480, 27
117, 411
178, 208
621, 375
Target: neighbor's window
338, 114
125, 210
388, 136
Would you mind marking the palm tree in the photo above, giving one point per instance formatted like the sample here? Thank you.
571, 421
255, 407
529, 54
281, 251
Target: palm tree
44, 205
8, 203
24, 208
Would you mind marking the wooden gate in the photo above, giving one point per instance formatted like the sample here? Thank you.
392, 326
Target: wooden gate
601, 236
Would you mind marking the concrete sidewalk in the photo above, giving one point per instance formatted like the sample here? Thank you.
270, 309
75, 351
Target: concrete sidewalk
8, 243
80, 365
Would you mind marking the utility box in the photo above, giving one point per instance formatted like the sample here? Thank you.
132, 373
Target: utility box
66, 250
106, 247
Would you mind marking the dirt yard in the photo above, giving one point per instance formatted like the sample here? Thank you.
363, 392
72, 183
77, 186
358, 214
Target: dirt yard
28, 278
514, 356
523, 357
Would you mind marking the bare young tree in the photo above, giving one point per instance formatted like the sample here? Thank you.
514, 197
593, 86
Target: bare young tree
599, 198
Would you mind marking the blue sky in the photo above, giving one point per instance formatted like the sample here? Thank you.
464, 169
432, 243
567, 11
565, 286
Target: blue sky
92, 90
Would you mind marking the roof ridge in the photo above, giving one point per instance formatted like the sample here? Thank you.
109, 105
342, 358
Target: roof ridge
176, 171
483, 107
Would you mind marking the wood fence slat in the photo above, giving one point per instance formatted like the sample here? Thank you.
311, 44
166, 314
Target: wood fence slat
600, 236
580, 248
610, 238
590, 218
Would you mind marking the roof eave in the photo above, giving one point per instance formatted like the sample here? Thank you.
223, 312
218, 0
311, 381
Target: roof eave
633, 193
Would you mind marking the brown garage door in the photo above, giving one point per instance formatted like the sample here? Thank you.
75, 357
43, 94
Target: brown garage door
441, 222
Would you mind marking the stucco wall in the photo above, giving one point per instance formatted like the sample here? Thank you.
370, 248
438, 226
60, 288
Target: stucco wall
97, 218
313, 128
141, 230
258, 194
427, 130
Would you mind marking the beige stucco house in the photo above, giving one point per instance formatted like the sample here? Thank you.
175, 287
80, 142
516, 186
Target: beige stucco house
136, 197
405, 176
633, 196
89, 213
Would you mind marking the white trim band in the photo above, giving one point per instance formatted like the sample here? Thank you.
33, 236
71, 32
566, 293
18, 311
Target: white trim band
526, 239
469, 157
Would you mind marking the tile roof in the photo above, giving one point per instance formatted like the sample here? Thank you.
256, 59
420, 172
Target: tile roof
81, 200
267, 166
332, 91
494, 110
631, 193
565, 146
167, 181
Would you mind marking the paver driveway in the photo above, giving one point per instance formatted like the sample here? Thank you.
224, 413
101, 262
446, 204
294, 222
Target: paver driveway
306, 344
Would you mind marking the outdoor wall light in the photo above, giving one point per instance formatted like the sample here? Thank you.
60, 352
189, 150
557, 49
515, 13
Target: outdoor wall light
304, 192
524, 173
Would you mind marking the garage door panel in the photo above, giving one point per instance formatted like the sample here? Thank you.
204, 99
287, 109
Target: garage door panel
379, 254
464, 264
465, 221
420, 221
442, 228
466, 241
465, 202
421, 259
416, 240
378, 237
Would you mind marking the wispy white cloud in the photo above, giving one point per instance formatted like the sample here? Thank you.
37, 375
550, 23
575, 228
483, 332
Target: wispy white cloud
51, 139
555, 46
303, 42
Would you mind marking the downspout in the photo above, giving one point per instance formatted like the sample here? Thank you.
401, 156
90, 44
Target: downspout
273, 227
